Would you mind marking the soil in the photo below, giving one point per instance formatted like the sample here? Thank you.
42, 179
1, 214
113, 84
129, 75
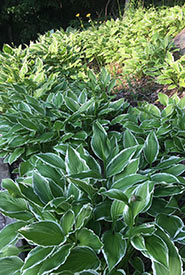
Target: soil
144, 89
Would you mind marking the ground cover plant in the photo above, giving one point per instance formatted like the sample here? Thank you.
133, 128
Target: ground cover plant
100, 184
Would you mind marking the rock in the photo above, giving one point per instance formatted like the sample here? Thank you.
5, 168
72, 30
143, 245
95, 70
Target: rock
179, 42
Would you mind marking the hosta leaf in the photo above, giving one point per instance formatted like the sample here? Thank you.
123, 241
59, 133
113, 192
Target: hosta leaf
143, 193
99, 141
56, 259
74, 163
15, 155
80, 259
117, 208
71, 104
12, 187
45, 233
129, 139
128, 181
157, 249
28, 124
87, 237
171, 224
113, 254
174, 262
83, 216
9, 233
151, 148
116, 194
41, 188
9, 265
168, 111
120, 161
53, 160
84, 186
167, 163
88, 272
36, 256
67, 221
144, 229
102, 211
138, 242
163, 177
163, 98
175, 170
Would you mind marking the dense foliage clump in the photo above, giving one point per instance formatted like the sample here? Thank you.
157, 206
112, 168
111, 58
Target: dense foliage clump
100, 184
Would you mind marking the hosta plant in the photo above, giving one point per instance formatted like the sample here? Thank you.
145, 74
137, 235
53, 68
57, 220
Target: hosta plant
111, 207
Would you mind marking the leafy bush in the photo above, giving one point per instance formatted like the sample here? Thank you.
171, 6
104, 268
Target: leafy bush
108, 204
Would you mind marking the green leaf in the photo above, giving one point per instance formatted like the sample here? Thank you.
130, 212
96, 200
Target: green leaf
80, 259
67, 221
9, 265
128, 181
129, 139
36, 256
163, 99
175, 170
157, 250
84, 186
41, 188
15, 155
88, 238
171, 224
9, 233
71, 104
143, 229
83, 216
151, 148
99, 141
120, 161
117, 208
164, 177
168, 111
45, 233
55, 260
116, 194
52, 160
174, 262
28, 124
12, 187
143, 193
74, 163
114, 248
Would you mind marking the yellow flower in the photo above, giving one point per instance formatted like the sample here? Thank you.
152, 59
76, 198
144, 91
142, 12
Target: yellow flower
88, 15
77, 15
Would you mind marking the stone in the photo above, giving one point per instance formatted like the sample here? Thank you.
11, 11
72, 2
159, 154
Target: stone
179, 42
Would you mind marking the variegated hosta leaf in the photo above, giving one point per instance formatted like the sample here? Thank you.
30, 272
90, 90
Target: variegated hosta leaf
114, 248
44, 233
151, 148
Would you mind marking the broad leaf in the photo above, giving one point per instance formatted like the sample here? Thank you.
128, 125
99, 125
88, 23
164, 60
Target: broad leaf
80, 259
9, 265
116, 194
171, 224
41, 188
45, 233
120, 161
114, 248
9, 233
83, 216
36, 256
129, 139
56, 259
99, 142
87, 237
151, 148
67, 221
74, 163
53, 160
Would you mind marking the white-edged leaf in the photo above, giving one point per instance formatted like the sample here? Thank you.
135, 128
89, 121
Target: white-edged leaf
114, 248
151, 147
44, 233
9, 265
120, 161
